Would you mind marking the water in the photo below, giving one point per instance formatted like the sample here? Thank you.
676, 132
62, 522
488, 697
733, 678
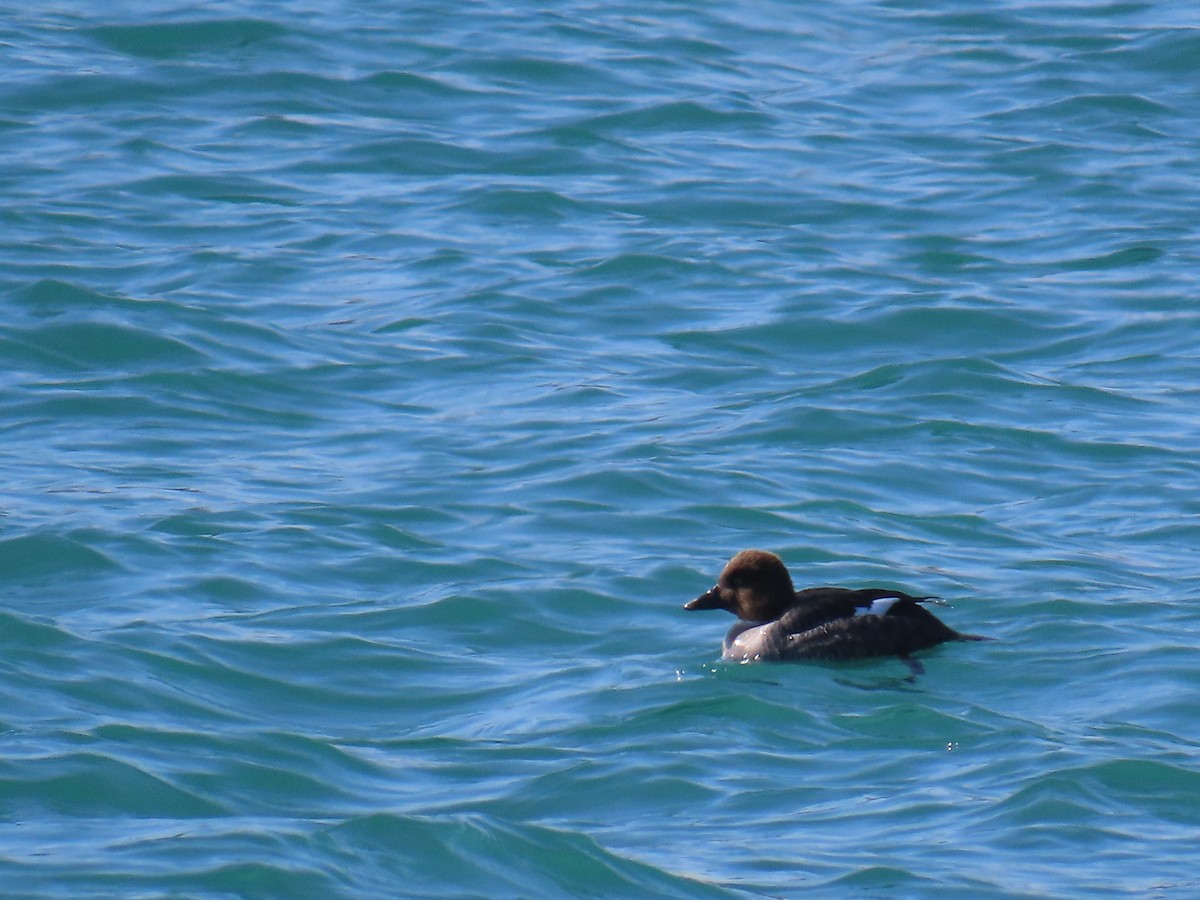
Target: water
379, 380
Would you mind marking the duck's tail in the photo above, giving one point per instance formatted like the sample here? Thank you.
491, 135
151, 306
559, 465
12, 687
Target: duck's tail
959, 636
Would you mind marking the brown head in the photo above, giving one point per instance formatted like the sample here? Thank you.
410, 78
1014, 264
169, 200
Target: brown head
754, 586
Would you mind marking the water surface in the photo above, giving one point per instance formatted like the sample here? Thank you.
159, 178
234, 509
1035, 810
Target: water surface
379, 380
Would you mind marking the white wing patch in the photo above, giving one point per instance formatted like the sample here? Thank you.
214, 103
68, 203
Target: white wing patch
878, 607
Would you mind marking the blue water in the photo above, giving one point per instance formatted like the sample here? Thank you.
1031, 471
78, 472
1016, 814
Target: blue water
379, 380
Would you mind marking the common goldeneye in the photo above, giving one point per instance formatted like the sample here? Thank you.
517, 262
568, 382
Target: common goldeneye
778, 622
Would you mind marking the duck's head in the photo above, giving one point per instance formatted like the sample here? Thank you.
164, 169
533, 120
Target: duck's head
754, 586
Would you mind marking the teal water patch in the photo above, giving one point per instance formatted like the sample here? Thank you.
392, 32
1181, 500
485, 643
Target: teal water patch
34, 555
176, 39
378, 387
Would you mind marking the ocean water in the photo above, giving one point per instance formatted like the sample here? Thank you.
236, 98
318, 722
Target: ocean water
378, 381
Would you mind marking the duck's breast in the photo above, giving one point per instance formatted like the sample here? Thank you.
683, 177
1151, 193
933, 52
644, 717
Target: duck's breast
747, 641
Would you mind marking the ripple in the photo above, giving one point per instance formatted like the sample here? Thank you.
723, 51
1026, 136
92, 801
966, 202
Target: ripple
32, 556
95, 784
547, 860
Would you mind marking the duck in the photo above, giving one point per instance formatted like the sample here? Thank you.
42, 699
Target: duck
776, 622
